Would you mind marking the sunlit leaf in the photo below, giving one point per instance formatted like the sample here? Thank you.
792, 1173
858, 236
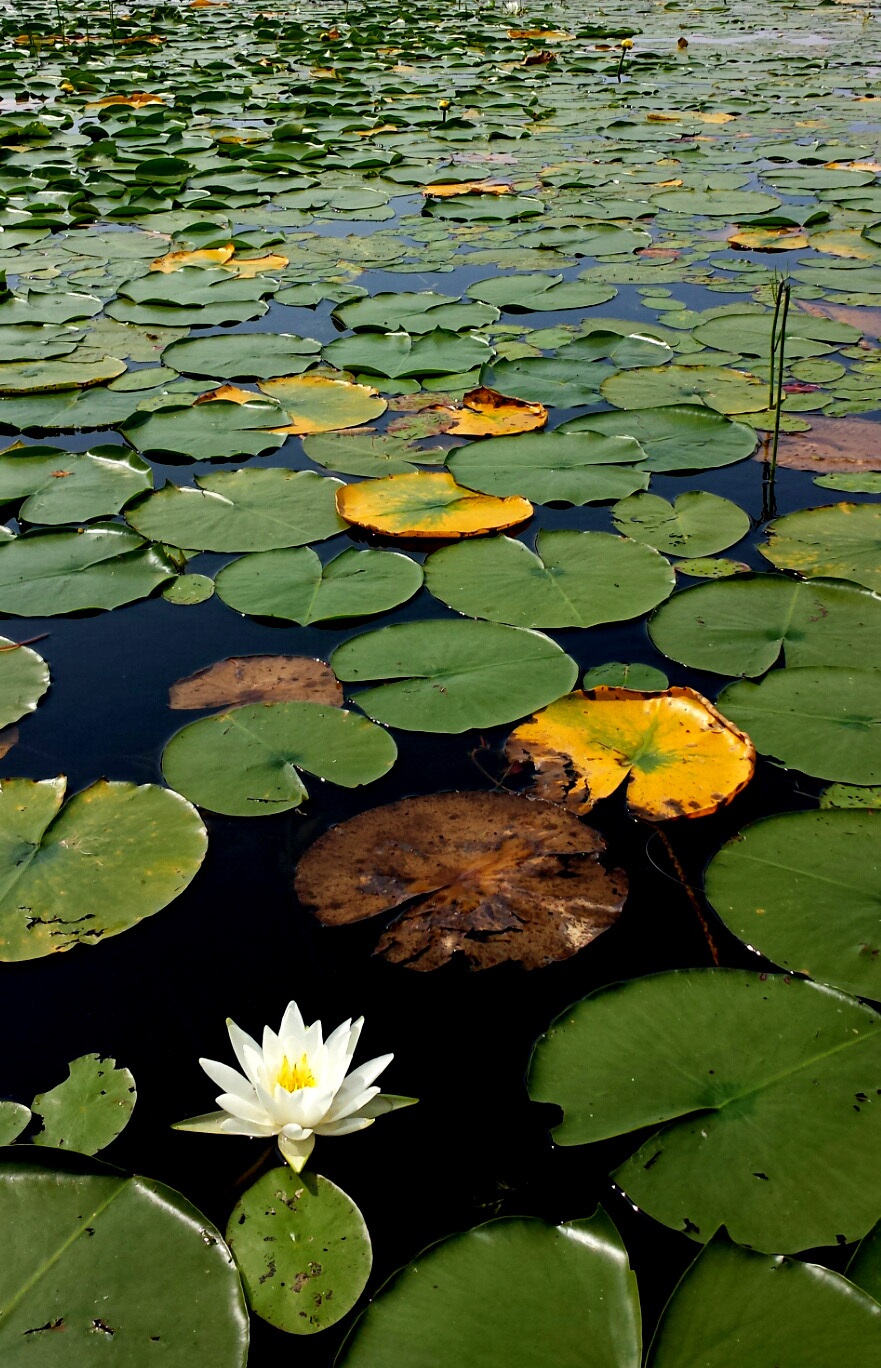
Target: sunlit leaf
89, 1109
427, 504
295, 586
843, 541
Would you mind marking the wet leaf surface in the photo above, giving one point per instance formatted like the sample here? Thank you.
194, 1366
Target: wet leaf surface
257, 679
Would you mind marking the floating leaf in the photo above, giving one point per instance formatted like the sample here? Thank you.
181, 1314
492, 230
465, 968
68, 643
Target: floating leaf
24, 678
192, 297
803, 888
554, 380
95, 1255
46, 573
695, 524
486, 413
89, 1109
317, 403
757, 1076
825, 722
302, 1248
217, 431
189, 589
674, 438
492, 876
734, 1307
572, 579
618, 675
71, 486
28, 377
740, 626
397, 354
246, 762
496, 1292
550, 468
427, 504
842, 541
295, 586
444, 676
257, 679
677, 754
363, 452
14, 1118
535, 293
114, 854
864, 1269
725, 391
851, 796
244, 510
413, 313
243, 356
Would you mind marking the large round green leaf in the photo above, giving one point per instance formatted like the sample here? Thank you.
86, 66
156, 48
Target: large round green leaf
728, 204
696, 524
245, 762
413, 313
72, 486
242, 356
193, 297
514, 1293
398, 355
572, 579
215, 431
842, 541
46, 573
725, 391
540, 292
759, 1077
675, 437
450, 676
736, 1309
114, 854
548, 468
555, 381
303, 1250
89, 1109
24, 678
27, 377
14, 1119
102, 1266
294, 585
804, 889
242, 510
825, 722
625, 349
740, 626
750, 334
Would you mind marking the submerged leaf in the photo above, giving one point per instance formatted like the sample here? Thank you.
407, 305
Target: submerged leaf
492, 876
257, 679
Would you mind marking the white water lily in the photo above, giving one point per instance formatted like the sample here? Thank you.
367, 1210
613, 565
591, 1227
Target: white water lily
295, 1086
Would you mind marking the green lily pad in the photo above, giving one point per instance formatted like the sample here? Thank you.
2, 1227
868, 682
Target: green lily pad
189, 589
726, 204
842, 541
193, 297
397, 354
243, 510
494, 1295
676, 437
851, 796
103, 566
302, 1248
740, 626
551, 380
24, 678
245, 762
54, 307
804, 889
825, 722
100, 1256
547, 467
750, 334
725, 391
696, 524
737, 1309
449, 676
864, 1269
243, 356
89, 1109
14, 1119
63, 486
26, 377
69, 409
215, 431
413, 313
114, 854
539, 292
295, 586
615, 674
627, 350
867, 483
753, 1081
354, 453
572, 579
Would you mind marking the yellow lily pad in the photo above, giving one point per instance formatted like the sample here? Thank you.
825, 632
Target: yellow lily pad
428, 504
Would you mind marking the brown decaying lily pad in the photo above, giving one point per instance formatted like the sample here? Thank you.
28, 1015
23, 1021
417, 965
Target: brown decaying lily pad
492, 876
258, 679
851, 445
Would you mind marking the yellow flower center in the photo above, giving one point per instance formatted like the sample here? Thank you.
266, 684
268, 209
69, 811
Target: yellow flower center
292, 1077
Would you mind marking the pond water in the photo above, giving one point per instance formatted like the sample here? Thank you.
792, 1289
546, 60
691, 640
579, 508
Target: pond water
236, 943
